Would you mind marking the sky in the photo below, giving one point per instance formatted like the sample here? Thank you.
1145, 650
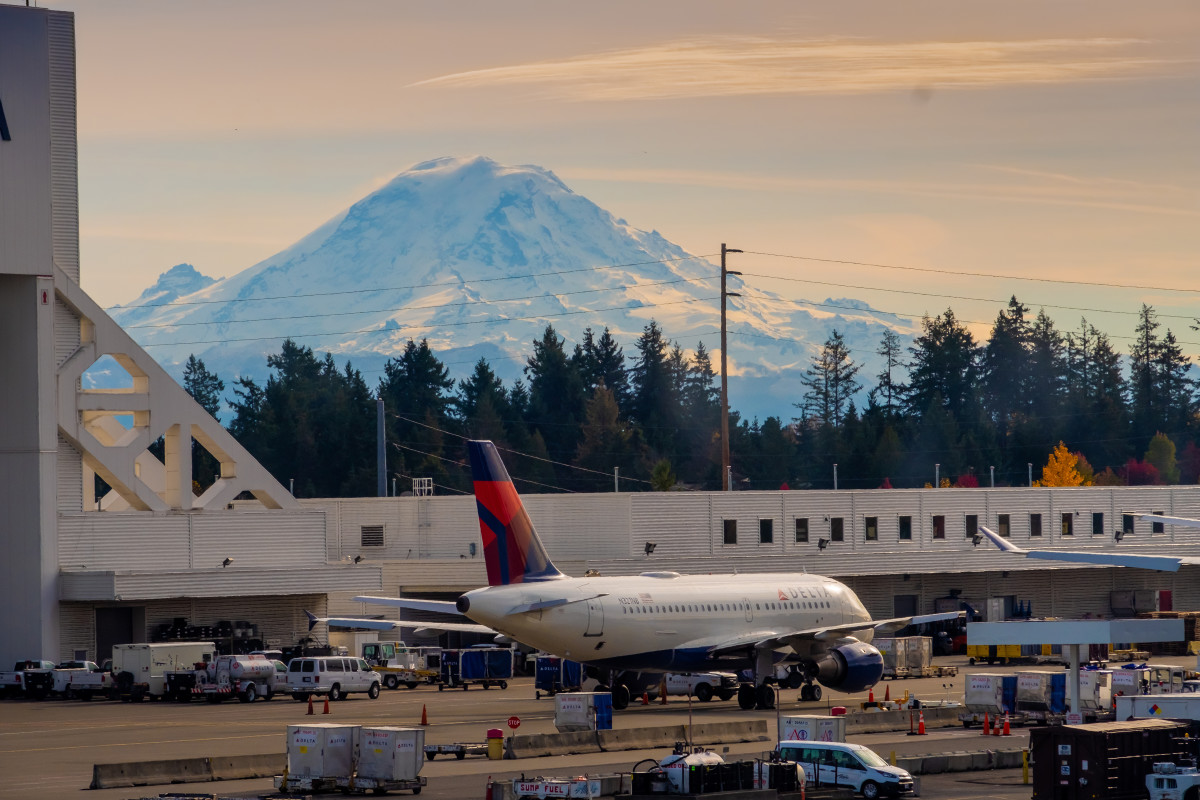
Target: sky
1047, 150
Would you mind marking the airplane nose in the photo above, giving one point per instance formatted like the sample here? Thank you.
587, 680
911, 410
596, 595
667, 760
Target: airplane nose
463, 604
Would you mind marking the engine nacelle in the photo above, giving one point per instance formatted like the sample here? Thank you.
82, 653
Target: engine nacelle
850, 668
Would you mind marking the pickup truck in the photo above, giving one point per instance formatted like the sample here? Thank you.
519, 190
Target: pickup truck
81, 679
30, 678
701, 685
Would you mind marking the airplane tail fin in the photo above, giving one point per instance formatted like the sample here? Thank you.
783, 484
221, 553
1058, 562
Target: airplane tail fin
512, 550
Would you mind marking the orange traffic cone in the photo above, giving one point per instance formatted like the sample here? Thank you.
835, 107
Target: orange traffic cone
1007, 732
887, 694
996, 727
871, 697
662, 696
310, 711
921, 724
326, 711
645, 698
424, 716
987, 725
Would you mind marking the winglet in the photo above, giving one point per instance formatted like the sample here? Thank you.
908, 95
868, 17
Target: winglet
1000, 541
312, 619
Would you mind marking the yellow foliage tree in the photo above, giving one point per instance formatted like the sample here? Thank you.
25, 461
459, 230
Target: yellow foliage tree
1062, 469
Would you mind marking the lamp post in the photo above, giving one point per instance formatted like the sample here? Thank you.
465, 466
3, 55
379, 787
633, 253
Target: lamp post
726, 473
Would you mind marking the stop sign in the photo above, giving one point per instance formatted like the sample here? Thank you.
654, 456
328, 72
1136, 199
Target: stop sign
514, 722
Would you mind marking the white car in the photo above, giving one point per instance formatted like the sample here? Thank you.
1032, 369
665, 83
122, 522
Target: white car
848, 765
335, 676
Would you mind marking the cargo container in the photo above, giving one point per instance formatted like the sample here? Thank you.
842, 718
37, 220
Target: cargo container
812, 728
476, 666
895, 656
583, 711
1042, 694
1108, 760
991, 695
1169, 706
1095, 691
1126, 681
321, 750
919, 655
390, 754
552, 675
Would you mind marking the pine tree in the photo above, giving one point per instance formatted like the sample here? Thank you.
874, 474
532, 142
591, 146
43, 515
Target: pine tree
831, 381
888, 390
654, 404
416, 394
555, 395
204, 386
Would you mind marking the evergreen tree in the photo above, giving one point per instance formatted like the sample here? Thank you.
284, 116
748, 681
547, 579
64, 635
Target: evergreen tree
889, 391
607, 441
482, 405
415, 388
204, 386
602, 361
555, 395
945, 370
654, 404
1005, 368
1143, 356
831, 382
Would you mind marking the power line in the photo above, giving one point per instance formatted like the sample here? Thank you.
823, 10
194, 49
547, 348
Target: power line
459, 464
461, 282
960, 273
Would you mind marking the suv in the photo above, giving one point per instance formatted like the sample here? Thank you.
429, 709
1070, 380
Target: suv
331, 675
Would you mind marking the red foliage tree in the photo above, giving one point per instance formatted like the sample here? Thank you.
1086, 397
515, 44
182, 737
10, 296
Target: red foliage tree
1139, 473
967, 482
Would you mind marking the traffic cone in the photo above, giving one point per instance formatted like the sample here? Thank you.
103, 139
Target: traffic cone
887, 694
326, 711
662, 696
645, 698
921, 723
987, 725
310, 711
424, 716
996, 727
871, 697
1007, 732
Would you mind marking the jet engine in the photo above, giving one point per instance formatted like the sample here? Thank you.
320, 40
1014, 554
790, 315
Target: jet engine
850, 667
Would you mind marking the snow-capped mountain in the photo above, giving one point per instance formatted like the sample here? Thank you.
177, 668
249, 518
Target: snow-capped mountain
478, 257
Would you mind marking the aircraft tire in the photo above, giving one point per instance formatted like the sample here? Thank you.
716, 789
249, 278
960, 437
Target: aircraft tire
620, 697
765, 696
746, 698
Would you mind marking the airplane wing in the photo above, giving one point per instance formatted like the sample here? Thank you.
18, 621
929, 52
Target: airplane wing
1185, 522
438, 606
774, 640
1161, 563
390, 624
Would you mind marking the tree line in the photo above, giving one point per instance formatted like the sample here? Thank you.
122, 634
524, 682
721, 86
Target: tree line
968, 407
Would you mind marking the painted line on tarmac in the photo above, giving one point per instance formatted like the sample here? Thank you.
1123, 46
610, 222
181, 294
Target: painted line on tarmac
273, 735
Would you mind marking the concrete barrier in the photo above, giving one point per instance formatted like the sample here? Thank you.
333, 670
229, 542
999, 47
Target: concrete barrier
885, 721
236, 768
754, 730
551, 744
151, 773
562, 744
961, 762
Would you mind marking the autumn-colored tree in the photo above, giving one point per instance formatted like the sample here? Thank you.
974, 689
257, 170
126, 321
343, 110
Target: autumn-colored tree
1085, 469
966, 482
1109, 478
1061, 469
1141, 473
1161, 454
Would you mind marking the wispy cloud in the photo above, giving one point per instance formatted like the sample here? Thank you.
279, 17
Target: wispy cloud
754, 66
1080, 193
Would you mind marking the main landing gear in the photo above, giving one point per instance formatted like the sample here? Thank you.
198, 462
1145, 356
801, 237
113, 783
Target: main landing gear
751, 696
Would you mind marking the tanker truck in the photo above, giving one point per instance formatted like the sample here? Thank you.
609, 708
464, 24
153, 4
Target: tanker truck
245, 677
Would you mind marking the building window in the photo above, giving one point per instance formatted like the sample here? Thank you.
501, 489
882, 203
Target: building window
1097, 523
801, 529
1068, 524
972, 525
871, 529
1157, 527
1126, 524
766, 531
836, 531
1035, 524
372, 535
939, 526
905, 528
730, 531
1002, 525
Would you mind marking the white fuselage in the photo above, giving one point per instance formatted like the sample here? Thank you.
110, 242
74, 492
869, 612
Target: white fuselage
663, 621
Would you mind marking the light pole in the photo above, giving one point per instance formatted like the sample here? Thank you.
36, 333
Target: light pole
726, 473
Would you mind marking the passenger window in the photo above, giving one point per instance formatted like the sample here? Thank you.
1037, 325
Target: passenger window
353, 665
306, 666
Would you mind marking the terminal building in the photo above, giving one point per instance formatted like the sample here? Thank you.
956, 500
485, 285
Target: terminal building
150, 557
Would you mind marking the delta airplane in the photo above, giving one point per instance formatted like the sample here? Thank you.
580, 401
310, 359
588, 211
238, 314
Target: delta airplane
1162, 563
625, 627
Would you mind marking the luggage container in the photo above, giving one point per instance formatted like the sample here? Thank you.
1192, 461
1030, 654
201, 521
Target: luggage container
390, 754
1131, 680
812, 728
552, 675
990, 694
583, 711
918, 655
321, 750
1042, 694
895, 656
1095, 692
1108, 760
482, 666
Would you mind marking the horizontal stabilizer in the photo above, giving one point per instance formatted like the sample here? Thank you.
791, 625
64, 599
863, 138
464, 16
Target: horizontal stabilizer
1100, 557
391, 624
1186, 522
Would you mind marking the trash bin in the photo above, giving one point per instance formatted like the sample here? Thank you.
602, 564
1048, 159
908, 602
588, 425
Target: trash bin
495, 741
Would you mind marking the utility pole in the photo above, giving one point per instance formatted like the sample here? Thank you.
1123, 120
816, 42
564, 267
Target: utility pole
726, 473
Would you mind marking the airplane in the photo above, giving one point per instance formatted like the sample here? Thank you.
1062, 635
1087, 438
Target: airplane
1158, 562
625, 628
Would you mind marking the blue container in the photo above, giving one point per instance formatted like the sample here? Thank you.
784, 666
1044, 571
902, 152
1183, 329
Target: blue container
603, 711
1008, 693
450, 661
485, 663
553, 675
1058, 693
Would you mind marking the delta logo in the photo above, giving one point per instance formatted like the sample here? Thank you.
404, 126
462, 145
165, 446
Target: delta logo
782, 595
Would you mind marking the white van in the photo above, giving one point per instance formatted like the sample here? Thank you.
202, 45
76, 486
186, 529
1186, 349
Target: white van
851, 765
331, 675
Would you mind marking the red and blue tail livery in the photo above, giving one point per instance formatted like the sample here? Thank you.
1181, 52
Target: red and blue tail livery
511, 548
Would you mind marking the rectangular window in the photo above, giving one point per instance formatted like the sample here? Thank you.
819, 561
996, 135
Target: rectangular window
905, 528
1126, 524
871, 529
730, 536
372, 535
766, 531
836, 532
939, 526
971, 525
801, 529
1035, 524
1157, 527
1097, 523
1068, 524
1003, 525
